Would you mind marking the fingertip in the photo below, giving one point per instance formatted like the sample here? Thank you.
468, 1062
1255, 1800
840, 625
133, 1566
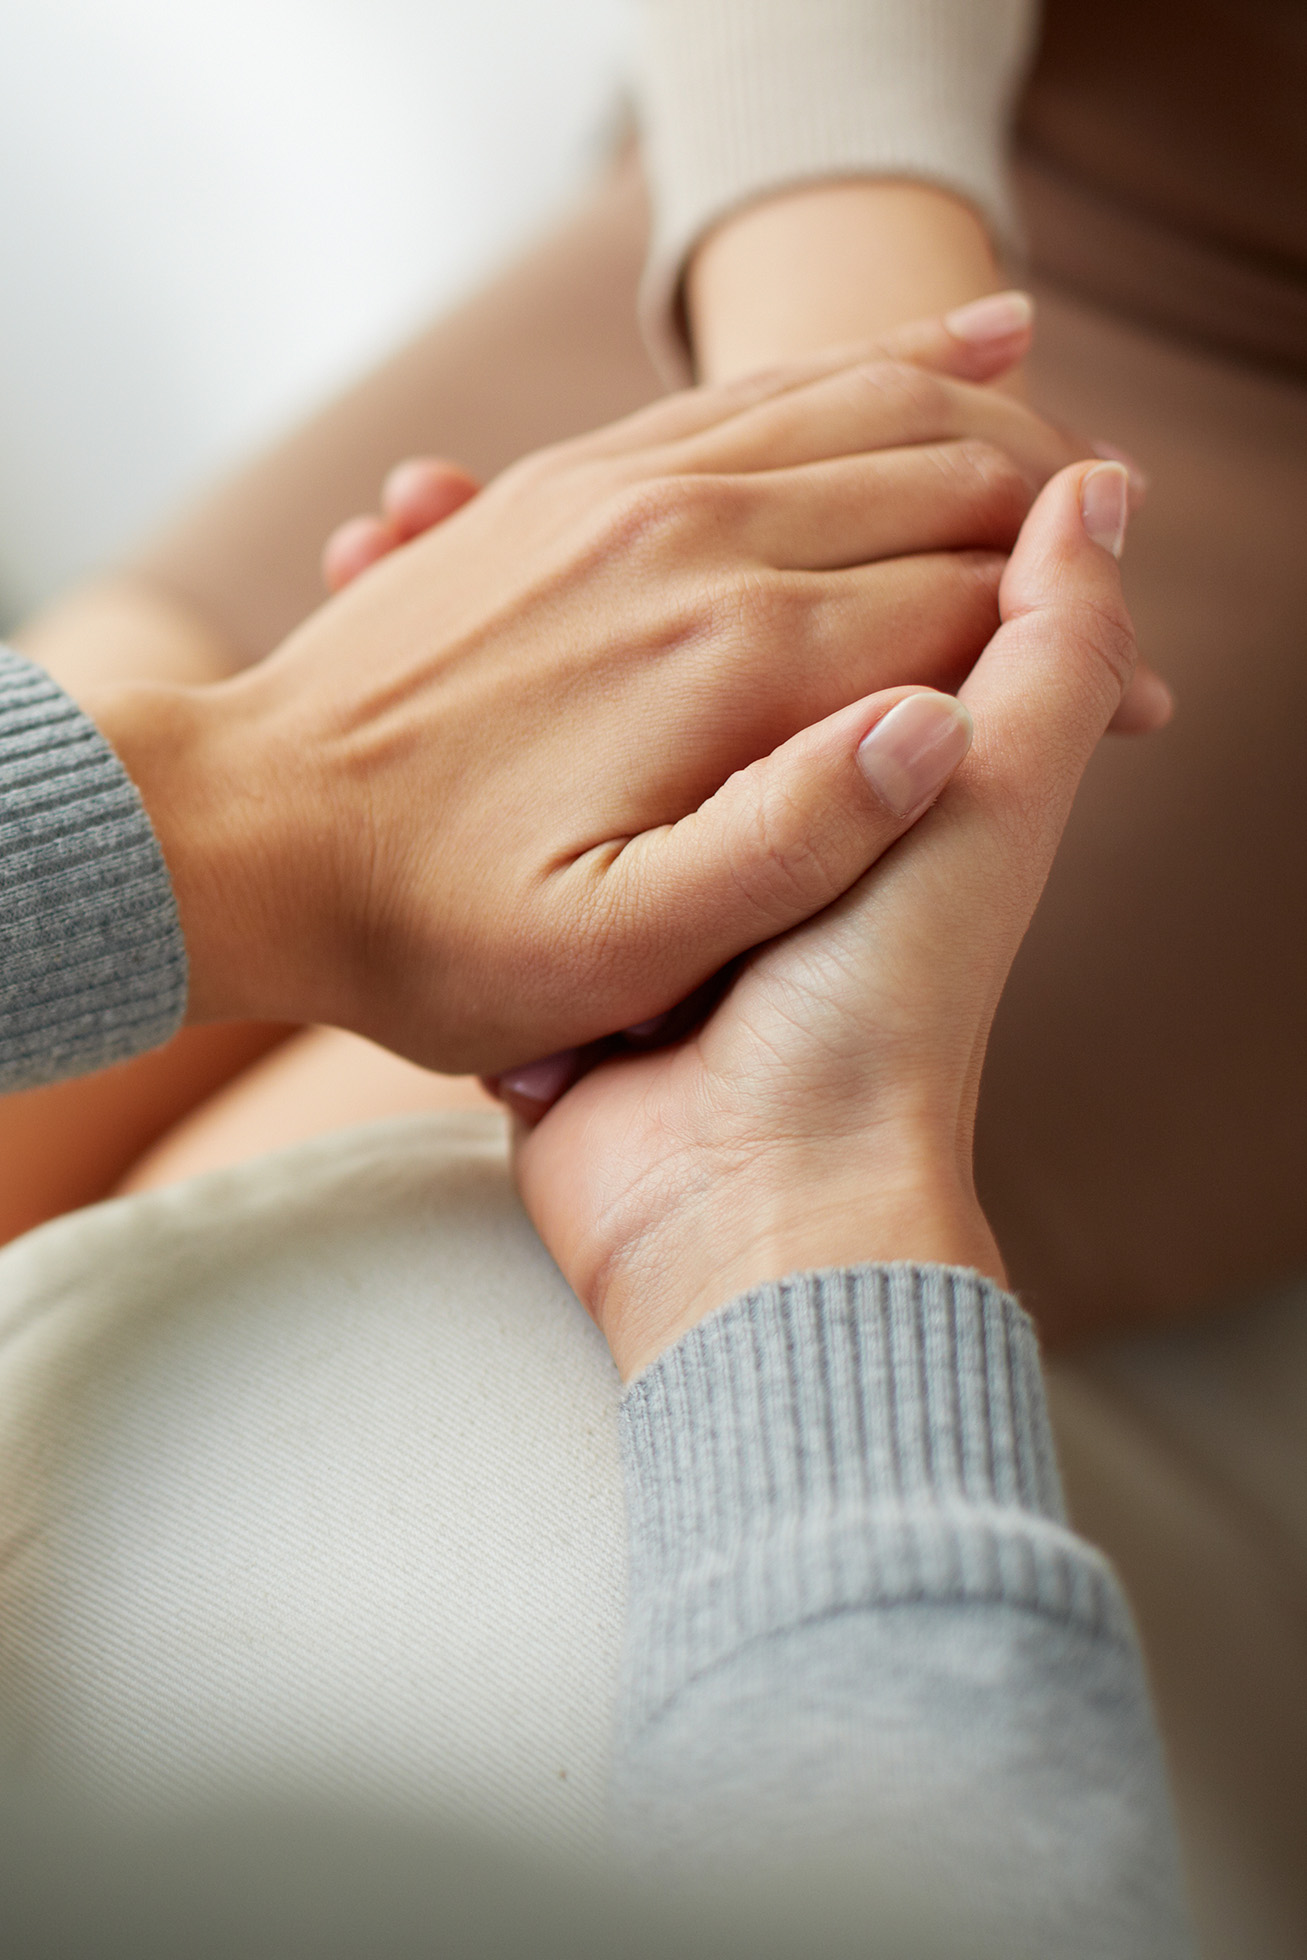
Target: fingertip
1140, 481
992, 334
353, 547
423, 491
910, 753
532, 1090
1075, 527
1147, 706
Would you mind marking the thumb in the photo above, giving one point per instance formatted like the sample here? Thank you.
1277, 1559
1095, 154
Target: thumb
1053, 677
787, 836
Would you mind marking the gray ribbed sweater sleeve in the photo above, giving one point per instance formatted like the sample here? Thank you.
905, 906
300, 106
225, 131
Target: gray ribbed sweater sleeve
741, 98
92, 965
859, 1624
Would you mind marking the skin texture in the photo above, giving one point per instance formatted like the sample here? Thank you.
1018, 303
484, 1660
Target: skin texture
824, 1113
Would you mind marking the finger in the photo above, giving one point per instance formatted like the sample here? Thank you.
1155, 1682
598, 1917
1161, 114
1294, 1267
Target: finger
533, 1089
920, 621
353, 546
881, 405
836, 637
1147, 705
783, 838
933, 497
1056, 673
976, 343
423, 492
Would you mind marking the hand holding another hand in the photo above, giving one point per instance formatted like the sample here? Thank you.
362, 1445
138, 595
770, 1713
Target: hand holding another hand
535, 777
823, 1114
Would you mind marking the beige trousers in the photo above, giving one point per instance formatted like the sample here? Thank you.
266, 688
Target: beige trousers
309, 1488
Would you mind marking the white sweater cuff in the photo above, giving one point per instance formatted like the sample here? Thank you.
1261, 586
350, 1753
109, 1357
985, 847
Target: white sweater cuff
742, 98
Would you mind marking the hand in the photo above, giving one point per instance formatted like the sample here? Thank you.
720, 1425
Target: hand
823, 1114
459, 811
982, 341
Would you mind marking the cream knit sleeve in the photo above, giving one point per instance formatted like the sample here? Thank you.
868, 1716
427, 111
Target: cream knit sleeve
739, 98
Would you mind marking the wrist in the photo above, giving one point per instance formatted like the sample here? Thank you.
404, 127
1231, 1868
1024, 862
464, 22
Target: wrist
827, 264
219, 806
916, 1209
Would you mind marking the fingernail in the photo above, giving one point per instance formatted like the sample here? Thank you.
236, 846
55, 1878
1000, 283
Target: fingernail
1112, 453
914, 749
1000, 316
541, 1083
1105, 505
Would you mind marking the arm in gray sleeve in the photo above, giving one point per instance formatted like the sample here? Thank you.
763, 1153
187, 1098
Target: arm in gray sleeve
859, 1624
92, 964
738, 99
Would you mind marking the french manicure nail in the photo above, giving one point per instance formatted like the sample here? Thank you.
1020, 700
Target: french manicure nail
999, 316
1105, 505
914, 749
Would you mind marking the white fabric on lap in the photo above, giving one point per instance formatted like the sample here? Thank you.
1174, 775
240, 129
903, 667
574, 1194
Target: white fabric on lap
309, 1483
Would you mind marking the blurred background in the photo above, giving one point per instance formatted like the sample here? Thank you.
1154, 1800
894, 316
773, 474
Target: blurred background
213, 211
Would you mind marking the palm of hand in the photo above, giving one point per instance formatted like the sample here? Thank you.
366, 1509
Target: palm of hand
821, 1115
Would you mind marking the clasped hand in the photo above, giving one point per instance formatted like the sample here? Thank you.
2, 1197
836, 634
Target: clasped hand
546, 770
654, 699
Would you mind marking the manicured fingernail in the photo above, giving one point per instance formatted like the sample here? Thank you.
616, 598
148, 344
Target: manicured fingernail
914, 749
1105, 505
1000, 316
541, 1083
1111, 452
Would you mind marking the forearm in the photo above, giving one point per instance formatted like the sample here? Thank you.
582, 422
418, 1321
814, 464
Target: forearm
818, 266
860, 1629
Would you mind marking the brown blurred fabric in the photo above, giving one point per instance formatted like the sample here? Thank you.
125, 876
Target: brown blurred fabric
1162, 149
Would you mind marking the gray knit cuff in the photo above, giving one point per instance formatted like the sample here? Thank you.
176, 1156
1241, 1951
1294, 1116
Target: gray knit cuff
863, 1437
739, 99
92, 963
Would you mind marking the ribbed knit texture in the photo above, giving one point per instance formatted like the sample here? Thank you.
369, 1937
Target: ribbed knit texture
739, 98
838, 1440
92, 964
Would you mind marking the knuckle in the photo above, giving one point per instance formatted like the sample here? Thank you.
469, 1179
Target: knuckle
914, 392
781, 862
1106, 637
988, 472
977, 575
771, 609
664, 514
